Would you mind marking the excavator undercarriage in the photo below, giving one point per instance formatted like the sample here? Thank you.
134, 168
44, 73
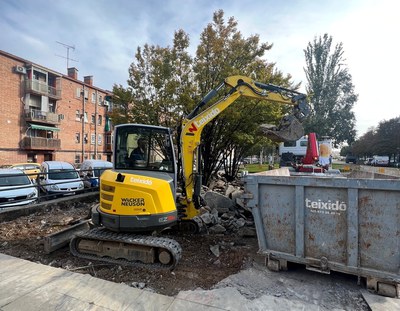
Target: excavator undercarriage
126, 248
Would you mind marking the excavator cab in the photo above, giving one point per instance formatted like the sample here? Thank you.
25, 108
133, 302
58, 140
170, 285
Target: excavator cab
139, 193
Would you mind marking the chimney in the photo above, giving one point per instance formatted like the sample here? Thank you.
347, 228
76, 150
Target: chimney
73, 73
88, 80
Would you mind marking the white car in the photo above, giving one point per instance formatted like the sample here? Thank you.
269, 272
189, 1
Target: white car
60, 178
16, 188
91, 170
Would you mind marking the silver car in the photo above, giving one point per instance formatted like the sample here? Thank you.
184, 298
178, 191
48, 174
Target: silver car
16, 188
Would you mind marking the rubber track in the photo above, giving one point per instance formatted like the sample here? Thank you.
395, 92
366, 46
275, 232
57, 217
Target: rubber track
102, 234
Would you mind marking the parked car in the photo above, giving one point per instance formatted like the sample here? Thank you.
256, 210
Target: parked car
380, 161
59, 178
395, 164
351, 159
367, 161
16, 188
251, 160
30, 169
91, 170
287, 159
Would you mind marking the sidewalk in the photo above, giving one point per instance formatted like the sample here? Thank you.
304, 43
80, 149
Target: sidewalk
25, 285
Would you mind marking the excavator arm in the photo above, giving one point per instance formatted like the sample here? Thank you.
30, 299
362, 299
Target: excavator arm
289, 128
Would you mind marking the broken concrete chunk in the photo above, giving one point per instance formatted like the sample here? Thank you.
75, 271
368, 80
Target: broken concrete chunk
215, 250
218, 201
217, 229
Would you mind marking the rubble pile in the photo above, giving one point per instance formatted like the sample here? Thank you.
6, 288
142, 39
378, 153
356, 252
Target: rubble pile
225, 212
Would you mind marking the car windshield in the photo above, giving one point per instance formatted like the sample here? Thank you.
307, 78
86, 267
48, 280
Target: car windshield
99, 171
59, 174
14, 180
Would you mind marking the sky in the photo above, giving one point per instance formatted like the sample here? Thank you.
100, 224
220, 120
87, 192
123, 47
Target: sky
103, 36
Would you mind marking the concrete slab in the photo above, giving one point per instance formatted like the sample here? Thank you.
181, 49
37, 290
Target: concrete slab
380, 303
9, 263
84, 290
39, 301
22, 278
229, 298
180, 305
149, 301
31, 286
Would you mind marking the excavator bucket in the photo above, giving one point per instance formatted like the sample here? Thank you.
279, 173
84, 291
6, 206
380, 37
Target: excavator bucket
289, 129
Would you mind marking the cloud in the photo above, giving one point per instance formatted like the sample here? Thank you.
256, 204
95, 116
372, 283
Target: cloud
106, 34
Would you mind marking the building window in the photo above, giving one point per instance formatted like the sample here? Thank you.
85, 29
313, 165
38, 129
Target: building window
100, 99
77, 115
86, 118
86, 138
108, 139
93, 97
52, 106
93, 157
93, 139
99, 139
77, 159
99, 120
77, 138
93, 121
99, 156
78, 93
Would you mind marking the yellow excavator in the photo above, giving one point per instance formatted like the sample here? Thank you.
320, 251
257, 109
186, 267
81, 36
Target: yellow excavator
139, 195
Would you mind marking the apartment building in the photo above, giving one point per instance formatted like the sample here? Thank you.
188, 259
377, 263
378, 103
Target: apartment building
46, 115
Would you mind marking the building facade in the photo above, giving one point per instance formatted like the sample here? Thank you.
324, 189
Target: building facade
46, 115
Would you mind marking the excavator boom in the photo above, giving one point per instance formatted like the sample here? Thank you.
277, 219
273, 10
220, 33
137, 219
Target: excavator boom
289, 128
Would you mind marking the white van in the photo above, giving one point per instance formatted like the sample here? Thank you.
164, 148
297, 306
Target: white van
380, 161
59, 177
91, 170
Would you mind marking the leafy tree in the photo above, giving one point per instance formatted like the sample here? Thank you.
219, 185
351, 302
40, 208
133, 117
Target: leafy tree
330, 86
122, 105
388, 140
382, 140
161, 82
223, 52
364, 146
166, 83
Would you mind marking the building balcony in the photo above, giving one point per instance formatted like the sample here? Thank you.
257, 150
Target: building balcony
41, 88
41, 116
39, 143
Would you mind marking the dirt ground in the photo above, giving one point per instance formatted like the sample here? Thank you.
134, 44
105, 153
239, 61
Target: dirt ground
237, 265
198, 268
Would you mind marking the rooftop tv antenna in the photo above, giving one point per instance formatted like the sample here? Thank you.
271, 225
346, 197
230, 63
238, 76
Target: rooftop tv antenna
68, 47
